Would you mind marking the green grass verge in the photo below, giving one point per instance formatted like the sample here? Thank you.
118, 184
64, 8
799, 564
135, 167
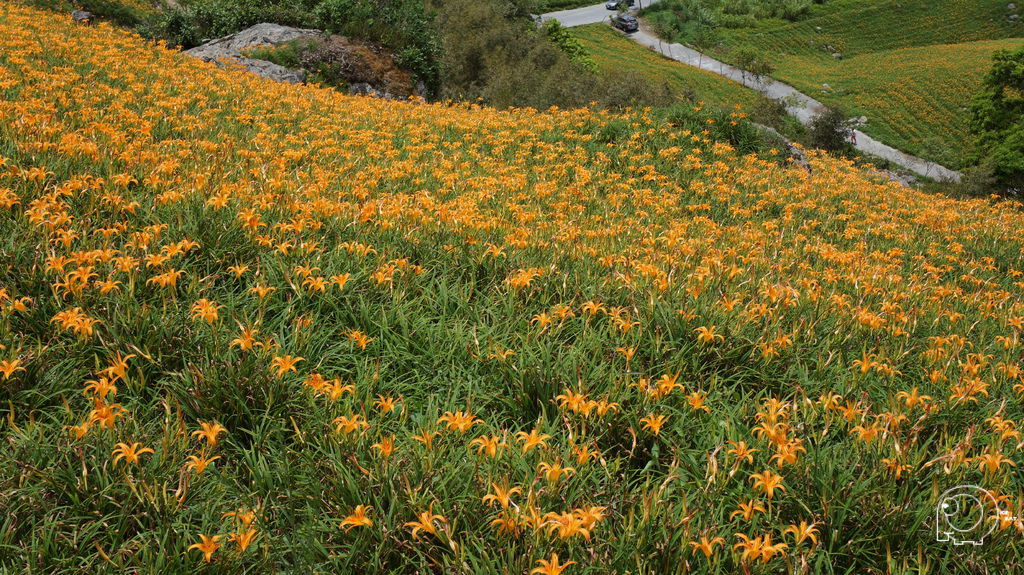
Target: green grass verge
612, 51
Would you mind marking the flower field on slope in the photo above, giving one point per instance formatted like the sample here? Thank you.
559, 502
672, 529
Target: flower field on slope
910, 67
253, 327
614, 52
855, 27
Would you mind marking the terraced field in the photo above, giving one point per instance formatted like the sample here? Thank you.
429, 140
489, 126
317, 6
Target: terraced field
612, 51
910, 67
855, 27
919, 104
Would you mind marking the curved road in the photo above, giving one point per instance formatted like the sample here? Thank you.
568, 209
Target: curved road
588, 14
798, 104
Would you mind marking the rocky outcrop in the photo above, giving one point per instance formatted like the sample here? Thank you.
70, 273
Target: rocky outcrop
228, 51
81, 17
357, 67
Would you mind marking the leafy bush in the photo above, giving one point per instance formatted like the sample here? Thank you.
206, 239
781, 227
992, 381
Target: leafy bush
736, 7
110, 10
752, 62
631, 89
404, 26
507, 61
793, 10
569, 44
997, 117
286, 54
768, 112
830, 131
116, 12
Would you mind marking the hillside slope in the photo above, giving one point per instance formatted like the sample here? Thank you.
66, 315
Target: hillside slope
916, 98
614, 52
856, 27
910, 67
254, 327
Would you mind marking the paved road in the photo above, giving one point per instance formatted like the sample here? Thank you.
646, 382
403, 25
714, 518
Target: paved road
588, 14
799, 105
580, 16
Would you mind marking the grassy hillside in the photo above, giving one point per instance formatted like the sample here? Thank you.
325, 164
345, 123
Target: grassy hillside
612, 51
910, 67
916, 98
248, 327
856, 27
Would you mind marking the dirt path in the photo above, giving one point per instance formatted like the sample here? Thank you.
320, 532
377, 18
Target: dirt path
798, 104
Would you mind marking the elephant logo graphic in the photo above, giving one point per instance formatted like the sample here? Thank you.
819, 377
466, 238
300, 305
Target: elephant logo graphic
964, 515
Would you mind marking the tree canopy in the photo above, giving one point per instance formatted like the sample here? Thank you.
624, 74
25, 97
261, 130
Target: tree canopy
998, 119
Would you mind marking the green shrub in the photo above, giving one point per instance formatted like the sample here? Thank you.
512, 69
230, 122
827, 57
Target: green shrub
997, 117
753, 63
507, 61
769, 112
569, 44
190, 25
286, 54
628, 88
108, 10
830, 131
793, 10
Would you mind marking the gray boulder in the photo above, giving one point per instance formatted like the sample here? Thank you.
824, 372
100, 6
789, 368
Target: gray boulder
366, 89
273, 71
81, 16
227, 51
903, 178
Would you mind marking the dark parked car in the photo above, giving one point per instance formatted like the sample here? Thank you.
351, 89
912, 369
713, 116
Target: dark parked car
614, 4
627, 23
